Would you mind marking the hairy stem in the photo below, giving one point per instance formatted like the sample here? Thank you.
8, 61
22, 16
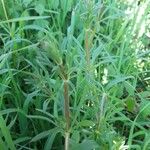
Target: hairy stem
66, 104
67, 113
67, 134
101, 110
87, 47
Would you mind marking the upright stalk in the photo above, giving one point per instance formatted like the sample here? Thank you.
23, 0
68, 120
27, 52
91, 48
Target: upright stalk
64, 76
5, 13
89, 34
101, 111
54, 54
66, 104
87, 47
67, 134
67, 113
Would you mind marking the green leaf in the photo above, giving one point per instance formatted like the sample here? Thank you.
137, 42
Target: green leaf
130, 103
145, 108
129, 88
145, 94
22, 139
3, 59
24, 19
53, 52
66, 5
24, 14
50, 140
54, 4
39, 8
41, 136
86, 123
85, 145
76, 136
117, 80
44, 134
6, 133
41, 23
26, 2
2, 145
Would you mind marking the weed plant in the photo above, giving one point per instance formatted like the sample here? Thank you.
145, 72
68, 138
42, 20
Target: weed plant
74, 75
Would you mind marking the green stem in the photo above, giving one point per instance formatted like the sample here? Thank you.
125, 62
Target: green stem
101, 111
5, 12
87, 48
67, 134
66, 104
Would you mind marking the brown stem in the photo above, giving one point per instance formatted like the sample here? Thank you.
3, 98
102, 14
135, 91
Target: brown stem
64, 77
66, 96
89, 35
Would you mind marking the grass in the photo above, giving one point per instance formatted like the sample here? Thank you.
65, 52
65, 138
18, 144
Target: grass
74, 74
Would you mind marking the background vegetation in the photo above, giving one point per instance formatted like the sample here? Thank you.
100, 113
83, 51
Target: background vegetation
74, 75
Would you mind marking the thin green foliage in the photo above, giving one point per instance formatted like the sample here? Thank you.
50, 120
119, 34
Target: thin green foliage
74, 74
